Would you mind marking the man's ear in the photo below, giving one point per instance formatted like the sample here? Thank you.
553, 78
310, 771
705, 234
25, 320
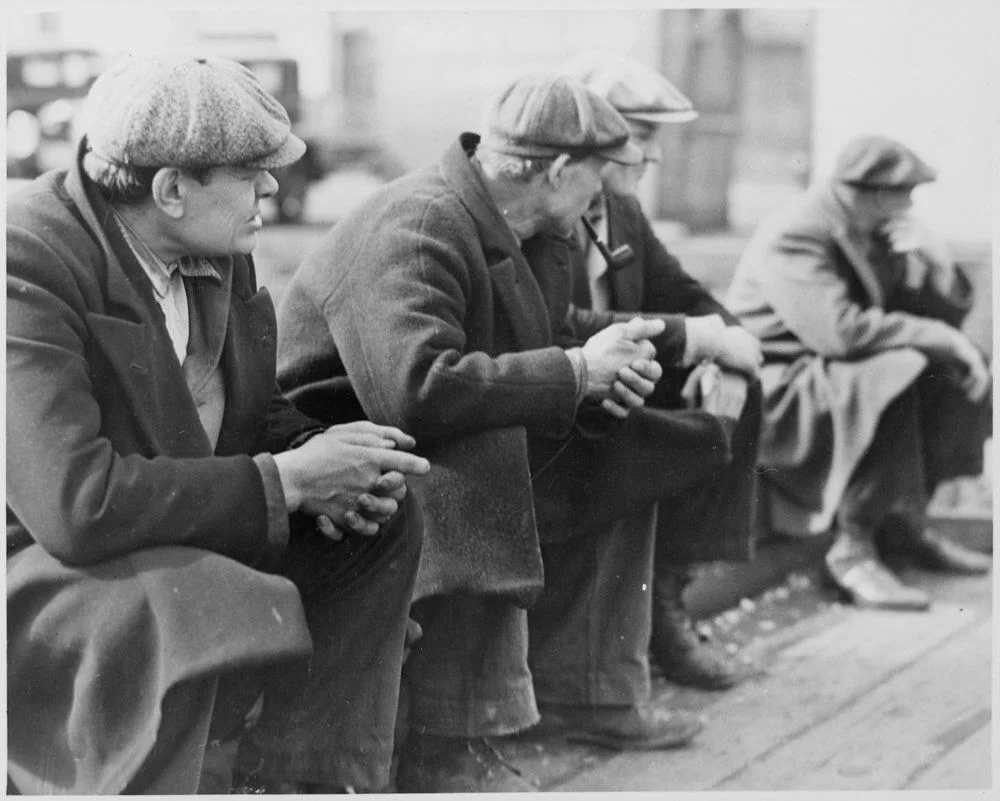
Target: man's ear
168, 191
557, 169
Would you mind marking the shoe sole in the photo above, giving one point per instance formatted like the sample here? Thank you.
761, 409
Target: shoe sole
619, 743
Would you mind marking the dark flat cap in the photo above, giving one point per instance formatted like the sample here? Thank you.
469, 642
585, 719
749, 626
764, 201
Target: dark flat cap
636, 91
543, 115
187, 111
877, 162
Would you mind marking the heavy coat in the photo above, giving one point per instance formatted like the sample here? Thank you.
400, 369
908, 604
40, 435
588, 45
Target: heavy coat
843, 336
444, 325
117, 506
654, 284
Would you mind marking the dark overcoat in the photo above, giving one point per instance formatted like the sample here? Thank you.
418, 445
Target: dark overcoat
654, 284
424, 301
843, 336
135, 554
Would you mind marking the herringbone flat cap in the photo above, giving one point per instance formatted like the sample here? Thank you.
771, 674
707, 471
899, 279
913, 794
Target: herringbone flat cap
187, 111
545, 114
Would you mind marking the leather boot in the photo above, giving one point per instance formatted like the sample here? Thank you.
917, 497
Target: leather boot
429, 763
854, 567
682, 655
621, 728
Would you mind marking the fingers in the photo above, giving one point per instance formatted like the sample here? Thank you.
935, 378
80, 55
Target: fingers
377, 509
976, 384
391, 485
614, 408
359, 524
328, 529
365, 432
401, 462
648, 369
623, 395
632, 381
643, 328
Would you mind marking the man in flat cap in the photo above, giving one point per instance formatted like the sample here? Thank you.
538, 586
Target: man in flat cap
709, 515
872, 394
442, 301
161, 493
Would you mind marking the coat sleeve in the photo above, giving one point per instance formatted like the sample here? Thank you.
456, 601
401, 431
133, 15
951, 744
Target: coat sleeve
400, 318
77, 496
800, 279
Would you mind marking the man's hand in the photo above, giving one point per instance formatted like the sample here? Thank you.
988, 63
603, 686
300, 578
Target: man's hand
617, 346
709, 338
909, 235
719, 392
635, 383
352, 476
977, 379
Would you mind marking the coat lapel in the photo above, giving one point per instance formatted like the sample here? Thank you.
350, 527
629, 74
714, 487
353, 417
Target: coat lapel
626, 283
133, 337
248, 367
852, 248
514, 283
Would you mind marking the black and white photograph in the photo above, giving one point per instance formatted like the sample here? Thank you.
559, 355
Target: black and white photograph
457, 398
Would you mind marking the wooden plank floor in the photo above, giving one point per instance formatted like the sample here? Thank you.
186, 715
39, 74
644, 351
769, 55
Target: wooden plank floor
841, 699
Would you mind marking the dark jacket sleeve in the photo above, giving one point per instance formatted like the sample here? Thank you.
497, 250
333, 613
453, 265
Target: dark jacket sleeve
75, 492
669, 289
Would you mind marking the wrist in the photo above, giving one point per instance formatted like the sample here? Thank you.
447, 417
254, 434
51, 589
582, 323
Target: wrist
287, 473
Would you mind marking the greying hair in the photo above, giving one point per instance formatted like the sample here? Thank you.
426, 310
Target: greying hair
128, 184
517, 169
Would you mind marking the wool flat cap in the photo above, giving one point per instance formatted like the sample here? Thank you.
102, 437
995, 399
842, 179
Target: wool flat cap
878, 162
187, 111
636, 91
544, 114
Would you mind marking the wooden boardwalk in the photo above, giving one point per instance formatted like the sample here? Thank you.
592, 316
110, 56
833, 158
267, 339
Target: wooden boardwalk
840, 699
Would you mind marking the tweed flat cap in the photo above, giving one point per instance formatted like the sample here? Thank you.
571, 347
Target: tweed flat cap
636, 91
544, 114
187, 111
878, 162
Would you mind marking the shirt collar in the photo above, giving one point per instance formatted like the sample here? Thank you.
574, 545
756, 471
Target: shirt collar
159, 271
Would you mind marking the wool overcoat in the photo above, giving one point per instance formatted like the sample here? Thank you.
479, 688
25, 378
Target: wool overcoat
135, 553
424, 304
843, 334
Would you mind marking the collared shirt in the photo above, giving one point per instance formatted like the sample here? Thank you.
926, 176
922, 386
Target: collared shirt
168, 285
202, 367
597, 267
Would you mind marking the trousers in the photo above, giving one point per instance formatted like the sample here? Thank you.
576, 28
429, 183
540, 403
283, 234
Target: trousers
484, 665
330, 721
929, 434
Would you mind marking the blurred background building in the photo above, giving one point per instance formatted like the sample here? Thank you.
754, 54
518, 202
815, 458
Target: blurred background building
779, 90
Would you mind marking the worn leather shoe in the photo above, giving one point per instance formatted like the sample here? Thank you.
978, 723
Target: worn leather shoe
679, 651
933, 550
869, 583
645, 728
432, 764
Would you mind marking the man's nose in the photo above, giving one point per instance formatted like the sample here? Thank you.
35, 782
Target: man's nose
267, 185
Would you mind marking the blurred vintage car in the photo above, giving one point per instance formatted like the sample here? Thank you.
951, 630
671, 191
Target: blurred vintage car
45, 89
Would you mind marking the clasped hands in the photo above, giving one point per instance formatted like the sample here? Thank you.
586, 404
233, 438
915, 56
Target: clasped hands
351, 477
621, 367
